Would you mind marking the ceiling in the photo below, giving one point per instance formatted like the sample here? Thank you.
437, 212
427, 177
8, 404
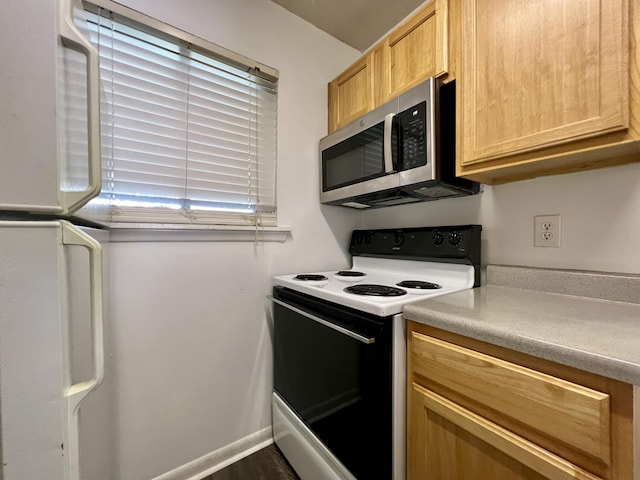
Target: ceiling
358, 23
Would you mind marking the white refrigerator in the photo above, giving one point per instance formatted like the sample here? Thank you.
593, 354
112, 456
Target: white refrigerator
55, 403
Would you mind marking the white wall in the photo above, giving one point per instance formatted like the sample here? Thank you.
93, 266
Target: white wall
600, 216
192, 339
192, 344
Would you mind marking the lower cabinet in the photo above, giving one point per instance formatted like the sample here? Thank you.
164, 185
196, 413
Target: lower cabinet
477, 411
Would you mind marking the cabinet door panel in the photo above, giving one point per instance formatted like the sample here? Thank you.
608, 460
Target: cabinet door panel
418, 49
539, 74
351, 94
452, 443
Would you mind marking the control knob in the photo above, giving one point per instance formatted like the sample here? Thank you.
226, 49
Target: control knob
398, 239
438, 238
455, 238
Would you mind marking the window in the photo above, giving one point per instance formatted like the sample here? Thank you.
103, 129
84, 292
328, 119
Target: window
188, 134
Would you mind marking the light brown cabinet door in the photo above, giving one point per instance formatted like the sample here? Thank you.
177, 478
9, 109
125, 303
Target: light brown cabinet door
351, 94
541, 74
449, 442
417, 50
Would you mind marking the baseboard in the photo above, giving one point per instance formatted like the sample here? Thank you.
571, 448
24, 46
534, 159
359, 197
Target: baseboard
221, 458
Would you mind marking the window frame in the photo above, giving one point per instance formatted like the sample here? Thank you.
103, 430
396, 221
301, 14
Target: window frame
263, 74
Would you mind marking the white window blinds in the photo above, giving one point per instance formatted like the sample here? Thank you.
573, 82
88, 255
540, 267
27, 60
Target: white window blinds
186, 137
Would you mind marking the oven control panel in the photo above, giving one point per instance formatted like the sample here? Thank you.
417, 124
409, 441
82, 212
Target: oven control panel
454, 244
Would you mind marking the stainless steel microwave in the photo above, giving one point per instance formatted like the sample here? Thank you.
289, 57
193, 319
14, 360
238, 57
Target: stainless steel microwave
401, 152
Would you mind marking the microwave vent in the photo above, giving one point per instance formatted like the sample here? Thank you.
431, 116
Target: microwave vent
436, 191
355, 205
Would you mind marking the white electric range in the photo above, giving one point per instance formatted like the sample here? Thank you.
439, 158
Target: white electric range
382, 286
340, 348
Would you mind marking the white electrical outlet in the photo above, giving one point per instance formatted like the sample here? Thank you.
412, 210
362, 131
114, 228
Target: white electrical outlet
546, 231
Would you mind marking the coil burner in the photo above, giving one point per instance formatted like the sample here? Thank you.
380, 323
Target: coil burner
375, 290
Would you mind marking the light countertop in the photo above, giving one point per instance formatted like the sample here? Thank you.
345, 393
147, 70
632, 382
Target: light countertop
519, 308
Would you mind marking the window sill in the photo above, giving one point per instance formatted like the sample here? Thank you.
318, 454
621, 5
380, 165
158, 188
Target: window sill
127, 232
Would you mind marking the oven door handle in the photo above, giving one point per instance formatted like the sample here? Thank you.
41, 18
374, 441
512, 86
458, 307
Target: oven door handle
324, 322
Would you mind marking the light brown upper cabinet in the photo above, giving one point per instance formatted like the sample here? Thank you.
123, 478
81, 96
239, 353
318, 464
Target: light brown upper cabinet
351, 94
416, 50
544, 87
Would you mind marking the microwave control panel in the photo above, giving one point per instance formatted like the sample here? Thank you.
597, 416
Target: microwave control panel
412, 128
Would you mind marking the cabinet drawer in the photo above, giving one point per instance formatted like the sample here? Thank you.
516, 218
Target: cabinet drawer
573, 414
455, 443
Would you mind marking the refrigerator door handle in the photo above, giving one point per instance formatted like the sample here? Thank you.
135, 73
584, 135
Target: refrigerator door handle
72, 38
77, 393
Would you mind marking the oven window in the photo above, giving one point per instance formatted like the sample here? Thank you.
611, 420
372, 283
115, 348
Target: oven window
339, 386
355, 159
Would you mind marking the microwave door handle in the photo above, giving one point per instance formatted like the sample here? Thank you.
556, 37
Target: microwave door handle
388, 153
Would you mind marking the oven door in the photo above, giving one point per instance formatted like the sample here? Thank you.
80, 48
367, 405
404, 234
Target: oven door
332, 367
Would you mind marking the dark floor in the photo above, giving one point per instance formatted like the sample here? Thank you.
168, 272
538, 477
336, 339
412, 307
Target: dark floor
265, 464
